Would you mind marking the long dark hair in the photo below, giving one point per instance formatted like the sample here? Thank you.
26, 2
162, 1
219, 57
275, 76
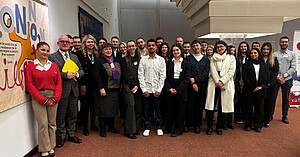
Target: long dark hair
168, 52
136, 54
180, 48
259, 55
270, 55
239, 53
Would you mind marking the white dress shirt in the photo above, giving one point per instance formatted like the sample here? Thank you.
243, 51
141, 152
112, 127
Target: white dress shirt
152, 74
42, 67
177, 68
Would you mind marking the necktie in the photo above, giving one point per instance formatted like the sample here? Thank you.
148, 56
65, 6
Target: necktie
67, 55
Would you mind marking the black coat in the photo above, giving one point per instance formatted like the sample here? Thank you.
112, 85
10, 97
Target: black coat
250, 82
87, 67
273, 71
183, 79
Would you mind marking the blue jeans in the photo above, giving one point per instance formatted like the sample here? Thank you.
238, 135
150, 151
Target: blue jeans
285, 88
157, 108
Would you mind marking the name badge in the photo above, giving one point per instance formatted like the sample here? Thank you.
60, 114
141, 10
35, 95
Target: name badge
112, 65
135, 63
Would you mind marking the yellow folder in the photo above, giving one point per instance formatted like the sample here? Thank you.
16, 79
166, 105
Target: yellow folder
70, 66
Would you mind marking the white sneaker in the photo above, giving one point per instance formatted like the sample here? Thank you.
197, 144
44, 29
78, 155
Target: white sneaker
160, 132
146, 133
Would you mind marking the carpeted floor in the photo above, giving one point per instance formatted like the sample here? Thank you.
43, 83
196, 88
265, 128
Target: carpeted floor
279, 139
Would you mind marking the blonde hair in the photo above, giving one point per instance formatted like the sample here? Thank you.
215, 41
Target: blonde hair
95, 49
211, 46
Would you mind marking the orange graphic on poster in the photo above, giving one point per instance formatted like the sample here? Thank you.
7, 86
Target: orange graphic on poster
27, 51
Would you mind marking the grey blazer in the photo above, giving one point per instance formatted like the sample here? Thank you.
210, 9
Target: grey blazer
68, 85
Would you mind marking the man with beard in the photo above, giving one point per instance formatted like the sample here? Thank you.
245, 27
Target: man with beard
115, 44
76, 46
151, 75
287, 66
159, 41
141, 47
186, 48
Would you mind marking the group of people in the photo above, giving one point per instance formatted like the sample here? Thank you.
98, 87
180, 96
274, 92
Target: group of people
149, 81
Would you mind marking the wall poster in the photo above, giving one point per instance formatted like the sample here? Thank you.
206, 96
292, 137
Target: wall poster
23, 24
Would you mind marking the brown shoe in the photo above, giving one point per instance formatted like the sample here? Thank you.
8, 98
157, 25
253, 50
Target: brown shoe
74, 139
59, 142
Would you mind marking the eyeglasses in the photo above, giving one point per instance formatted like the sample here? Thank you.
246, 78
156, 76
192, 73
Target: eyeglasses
220, 46
64, 41
253, 52
129, 46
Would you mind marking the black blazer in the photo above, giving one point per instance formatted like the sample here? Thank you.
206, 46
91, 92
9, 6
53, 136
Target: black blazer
87, 67
250, 82
184, 78
273, 71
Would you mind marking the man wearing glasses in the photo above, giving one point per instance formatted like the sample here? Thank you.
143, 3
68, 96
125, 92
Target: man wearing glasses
287, 66
67, 107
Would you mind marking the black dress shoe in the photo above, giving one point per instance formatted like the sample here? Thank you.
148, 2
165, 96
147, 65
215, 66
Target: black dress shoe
86, 132
103, 133
247, 128
131, 136
114, 130
137, 133
197, 130
51, 154
209, 132
231, 127
219, 131
225, 127
175, 134
186, 129
167, 131
285, 120
74, 139
59, 142
94, 127
257, 129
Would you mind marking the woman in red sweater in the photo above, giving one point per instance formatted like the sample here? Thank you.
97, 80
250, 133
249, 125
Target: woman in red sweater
43, 82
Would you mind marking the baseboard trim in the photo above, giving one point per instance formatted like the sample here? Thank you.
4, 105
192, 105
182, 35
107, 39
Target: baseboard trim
32, 152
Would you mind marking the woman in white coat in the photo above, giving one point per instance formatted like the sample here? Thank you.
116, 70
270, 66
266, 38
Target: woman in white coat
220, 90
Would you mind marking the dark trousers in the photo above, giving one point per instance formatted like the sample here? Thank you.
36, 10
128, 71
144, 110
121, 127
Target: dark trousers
210, 113
195, 105
88, 107
133, 110
239, 106
257, 104
227, 119
66, 116
268, 105
110, 121
285, 88
147, 114
175, 111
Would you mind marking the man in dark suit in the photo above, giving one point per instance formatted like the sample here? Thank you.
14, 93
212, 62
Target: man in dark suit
67, 108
